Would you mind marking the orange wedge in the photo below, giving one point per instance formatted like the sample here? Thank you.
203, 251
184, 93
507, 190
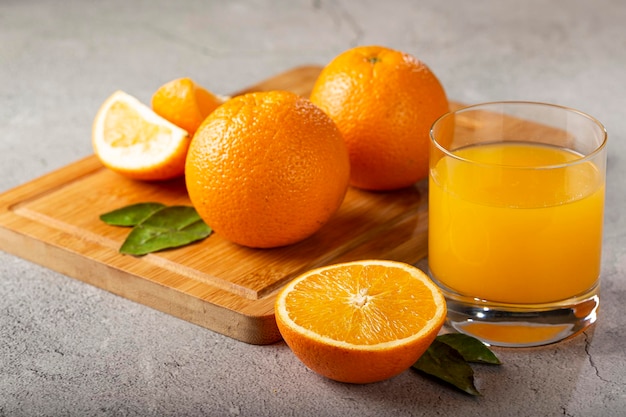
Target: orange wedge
362, 321
131, 139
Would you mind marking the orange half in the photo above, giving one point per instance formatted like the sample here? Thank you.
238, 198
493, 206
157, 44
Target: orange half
362, 321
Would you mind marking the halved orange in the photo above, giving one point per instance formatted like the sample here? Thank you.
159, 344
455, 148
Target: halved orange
131, 139
362, 321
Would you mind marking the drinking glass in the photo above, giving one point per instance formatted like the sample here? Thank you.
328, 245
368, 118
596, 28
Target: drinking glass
516, 202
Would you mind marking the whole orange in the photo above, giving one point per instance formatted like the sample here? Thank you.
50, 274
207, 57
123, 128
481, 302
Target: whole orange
184, 103
384, 102
267, 169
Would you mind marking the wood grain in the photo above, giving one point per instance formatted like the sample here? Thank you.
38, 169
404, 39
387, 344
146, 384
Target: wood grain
54, 221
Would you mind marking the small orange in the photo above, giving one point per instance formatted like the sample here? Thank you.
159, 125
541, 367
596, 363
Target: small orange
384, 102
184, 103
267, 169
362, 321
131, 139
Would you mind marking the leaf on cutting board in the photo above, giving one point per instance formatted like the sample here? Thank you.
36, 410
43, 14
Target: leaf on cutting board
166, 228
444, 362
131, 215
472, 349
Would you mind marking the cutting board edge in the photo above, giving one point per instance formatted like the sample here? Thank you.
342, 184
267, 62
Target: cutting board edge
257, 329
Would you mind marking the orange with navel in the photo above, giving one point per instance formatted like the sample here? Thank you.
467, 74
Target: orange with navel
267, 169
384, 102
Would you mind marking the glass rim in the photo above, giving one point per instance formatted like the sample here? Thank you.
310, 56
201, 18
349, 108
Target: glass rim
583, 158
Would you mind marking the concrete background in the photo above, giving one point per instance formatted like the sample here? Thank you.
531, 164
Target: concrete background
67, 348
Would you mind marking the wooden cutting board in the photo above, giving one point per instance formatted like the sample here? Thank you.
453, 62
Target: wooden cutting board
54, 221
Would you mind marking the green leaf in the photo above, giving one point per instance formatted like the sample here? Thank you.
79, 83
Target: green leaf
472, 349
445, 363
166, 228
131, 215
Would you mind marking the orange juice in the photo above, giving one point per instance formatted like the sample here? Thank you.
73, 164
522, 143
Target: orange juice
505, 228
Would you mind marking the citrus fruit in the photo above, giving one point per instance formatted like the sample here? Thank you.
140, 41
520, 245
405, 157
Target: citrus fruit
384, 102
267, 169
129, 138
362, 321
184, 103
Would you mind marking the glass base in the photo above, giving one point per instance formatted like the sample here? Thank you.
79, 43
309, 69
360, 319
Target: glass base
509, 325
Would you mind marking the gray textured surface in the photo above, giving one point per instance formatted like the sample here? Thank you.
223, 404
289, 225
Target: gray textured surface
67, 348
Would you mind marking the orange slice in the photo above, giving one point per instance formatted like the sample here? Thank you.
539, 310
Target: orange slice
131, 139
362, 321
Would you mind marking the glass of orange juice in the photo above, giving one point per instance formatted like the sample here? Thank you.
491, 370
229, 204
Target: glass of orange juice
516, 202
